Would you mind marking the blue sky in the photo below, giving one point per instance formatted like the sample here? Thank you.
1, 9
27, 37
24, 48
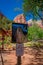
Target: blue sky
12, 8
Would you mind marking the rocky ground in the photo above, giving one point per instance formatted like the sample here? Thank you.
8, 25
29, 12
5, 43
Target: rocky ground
32, 56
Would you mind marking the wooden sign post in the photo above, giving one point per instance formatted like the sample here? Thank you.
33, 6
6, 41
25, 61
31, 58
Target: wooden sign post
19, 31
19, 45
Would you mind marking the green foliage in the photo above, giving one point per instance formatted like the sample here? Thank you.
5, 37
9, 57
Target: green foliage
7, 39
33, 6
40, 33
35, 32
5, 23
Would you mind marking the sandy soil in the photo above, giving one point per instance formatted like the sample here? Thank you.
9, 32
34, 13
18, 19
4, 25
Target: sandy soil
32, 56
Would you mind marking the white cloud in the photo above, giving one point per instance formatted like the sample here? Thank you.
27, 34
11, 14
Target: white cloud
29, 20
17, 9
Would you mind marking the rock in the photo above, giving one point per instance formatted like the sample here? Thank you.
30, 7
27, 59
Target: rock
20, 19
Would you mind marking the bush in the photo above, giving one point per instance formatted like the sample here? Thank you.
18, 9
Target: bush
35, 33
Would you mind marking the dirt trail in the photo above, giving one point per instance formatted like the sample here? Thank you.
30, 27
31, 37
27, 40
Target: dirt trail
31, 57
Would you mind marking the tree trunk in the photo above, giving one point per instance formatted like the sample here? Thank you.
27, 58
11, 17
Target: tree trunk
2, 42
2, 46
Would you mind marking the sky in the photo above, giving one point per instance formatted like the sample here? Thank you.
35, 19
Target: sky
12, 8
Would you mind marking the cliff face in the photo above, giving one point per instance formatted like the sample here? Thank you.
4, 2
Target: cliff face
20, 19
38, 22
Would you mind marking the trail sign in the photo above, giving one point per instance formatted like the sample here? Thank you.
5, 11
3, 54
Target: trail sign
19, 49
18, 32
14, 30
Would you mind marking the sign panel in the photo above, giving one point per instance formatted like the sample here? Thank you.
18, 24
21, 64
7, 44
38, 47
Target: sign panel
19, 49
14, 29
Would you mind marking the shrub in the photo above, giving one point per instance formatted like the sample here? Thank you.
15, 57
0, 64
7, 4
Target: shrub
35, 32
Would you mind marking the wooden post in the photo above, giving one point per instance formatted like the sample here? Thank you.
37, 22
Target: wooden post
19, 60
19, 45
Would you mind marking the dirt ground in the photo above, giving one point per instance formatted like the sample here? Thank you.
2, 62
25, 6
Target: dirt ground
32, 56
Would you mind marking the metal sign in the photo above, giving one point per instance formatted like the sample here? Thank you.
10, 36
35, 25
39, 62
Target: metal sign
14, 29
19, 49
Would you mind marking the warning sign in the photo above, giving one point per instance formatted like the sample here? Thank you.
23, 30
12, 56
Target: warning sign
19, 49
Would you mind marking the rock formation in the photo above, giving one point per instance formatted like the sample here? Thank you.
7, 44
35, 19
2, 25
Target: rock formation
20, 19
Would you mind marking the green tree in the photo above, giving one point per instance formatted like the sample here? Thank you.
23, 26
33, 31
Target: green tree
6, 25
34, 6
32, 33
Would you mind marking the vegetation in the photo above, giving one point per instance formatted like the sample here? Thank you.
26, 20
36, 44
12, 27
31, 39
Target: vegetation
35, 33
33, 6
33, 44
5, 23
